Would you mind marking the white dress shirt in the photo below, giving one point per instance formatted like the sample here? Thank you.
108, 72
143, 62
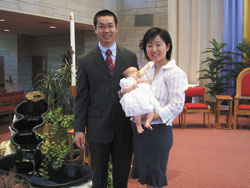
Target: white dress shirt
168, 87
113, 50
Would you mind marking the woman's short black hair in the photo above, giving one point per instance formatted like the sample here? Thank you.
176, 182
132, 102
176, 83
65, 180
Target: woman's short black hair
151, 34
104, 13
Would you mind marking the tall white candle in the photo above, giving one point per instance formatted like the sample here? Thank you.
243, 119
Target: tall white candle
72, 49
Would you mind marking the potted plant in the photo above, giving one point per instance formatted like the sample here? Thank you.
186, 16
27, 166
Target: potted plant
55, 145
214, 66
55, 85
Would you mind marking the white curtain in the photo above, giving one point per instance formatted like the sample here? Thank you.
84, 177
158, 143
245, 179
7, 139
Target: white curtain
192, 24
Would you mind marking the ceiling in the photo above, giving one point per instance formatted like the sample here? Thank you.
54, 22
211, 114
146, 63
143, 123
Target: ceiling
29, 25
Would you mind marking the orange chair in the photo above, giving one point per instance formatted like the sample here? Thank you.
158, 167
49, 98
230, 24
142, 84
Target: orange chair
195, 107
242, 94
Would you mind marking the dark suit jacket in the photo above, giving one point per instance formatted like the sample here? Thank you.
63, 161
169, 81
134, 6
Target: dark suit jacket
97, 106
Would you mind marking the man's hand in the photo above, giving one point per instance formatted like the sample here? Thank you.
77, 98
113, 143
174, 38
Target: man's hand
80, 140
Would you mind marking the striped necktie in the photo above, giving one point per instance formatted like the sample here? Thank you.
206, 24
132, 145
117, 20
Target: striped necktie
109, 61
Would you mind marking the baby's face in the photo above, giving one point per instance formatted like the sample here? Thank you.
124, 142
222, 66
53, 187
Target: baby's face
133, 72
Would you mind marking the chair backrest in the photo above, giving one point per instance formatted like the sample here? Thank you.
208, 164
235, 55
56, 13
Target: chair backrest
6, 101
195, 92
243, 83
19, 92
2, 91
6, 94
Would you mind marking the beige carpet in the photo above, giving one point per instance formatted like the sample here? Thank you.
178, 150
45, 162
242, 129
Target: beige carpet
202, 157
208, 158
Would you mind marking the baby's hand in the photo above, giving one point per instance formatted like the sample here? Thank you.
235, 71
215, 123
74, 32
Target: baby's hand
148, 82
135, 86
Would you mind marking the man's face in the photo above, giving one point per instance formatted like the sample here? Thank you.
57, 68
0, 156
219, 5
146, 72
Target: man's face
106, 30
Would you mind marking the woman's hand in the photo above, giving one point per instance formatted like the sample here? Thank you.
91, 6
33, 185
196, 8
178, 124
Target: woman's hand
129, 88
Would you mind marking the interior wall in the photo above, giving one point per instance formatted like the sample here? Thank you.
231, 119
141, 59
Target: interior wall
24, 63
53, 47
8, 49
129, 34
84, 10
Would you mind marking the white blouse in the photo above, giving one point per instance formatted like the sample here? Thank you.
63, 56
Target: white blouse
168, 87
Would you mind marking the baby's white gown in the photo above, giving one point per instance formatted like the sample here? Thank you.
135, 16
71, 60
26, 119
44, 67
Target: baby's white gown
138, 101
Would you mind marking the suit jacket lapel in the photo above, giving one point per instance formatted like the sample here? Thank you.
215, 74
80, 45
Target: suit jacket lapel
98, 59
119, 60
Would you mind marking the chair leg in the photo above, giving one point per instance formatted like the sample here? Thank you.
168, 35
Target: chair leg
208, 119
235, 121
241, 126
179, 119
235, 113
184, 120
204, 118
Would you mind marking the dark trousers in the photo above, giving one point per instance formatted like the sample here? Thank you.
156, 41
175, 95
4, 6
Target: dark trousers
121, 153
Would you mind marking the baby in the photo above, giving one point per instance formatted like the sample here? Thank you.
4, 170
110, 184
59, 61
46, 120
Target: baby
138, 99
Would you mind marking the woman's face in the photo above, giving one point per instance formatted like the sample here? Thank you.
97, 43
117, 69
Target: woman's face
157, 49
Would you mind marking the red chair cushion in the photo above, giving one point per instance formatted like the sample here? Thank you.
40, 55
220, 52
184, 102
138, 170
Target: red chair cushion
19, 92
244, 107
6, 109
19, 98
6, 101
195, 92
245, 87
195, 105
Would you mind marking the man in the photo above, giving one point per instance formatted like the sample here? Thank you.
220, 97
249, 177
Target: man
97, 108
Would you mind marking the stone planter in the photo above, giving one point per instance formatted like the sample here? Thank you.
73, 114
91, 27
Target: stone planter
65, 176
27, 159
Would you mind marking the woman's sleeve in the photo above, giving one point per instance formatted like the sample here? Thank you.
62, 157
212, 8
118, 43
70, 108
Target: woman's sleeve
176, 86
145, 72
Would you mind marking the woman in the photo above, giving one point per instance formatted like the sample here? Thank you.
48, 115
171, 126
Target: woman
169, 82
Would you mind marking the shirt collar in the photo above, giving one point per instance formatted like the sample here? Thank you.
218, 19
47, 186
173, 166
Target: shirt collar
112, 48
169, 65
